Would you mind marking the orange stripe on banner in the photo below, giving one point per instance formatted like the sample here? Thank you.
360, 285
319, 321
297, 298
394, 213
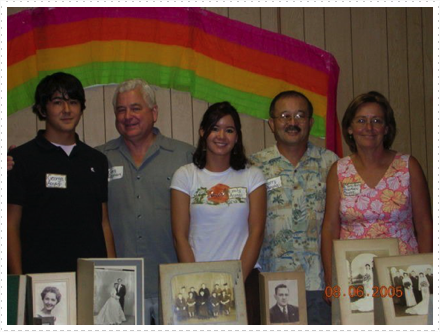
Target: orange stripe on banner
152, 31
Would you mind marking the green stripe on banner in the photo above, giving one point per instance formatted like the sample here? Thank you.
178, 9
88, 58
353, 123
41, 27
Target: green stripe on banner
101, 73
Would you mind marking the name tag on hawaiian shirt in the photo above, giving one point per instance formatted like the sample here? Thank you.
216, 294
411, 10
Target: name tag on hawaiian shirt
115, 173
239, 192
56, 181
352, 189
274, 183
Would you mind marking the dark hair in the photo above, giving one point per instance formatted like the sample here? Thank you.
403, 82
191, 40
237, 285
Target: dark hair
66, 84
51, 289
350, 113
280, 286
289, 94
212, 115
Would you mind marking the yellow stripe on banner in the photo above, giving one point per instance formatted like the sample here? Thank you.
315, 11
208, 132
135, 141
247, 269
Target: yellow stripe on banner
165, 55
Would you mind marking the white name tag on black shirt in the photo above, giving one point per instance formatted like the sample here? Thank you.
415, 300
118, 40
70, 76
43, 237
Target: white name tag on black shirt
56, 181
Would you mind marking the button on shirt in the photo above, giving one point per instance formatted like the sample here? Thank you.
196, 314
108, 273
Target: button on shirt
139, 202
295, 211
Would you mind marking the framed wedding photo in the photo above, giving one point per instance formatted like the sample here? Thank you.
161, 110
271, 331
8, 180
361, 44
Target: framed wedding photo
283, 298
111, 291
353, 279
202, 293
405, 286
52, 298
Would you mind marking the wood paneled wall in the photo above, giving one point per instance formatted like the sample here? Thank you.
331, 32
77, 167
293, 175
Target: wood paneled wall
385, 49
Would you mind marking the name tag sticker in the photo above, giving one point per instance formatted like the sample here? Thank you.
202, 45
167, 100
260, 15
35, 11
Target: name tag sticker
115, 173
352, 189
274, 183
239, 192
56, 181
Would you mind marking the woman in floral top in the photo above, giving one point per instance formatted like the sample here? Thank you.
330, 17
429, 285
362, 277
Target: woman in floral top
375, 192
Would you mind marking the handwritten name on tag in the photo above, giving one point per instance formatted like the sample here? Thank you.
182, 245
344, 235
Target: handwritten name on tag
274, 183
56, 181
352, 189
115, 173
239, 192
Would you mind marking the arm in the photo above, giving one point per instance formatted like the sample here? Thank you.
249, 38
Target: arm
180, 220
108, 234
421, 207
11, 162
331, 224
257, 223
14, 242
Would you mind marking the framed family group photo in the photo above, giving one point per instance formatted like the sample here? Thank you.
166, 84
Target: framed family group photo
51, 298
406, 284
111, 291
283, 298
202, 293
353, 278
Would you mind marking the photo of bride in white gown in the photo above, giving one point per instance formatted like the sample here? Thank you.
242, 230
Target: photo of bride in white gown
366, 303
422, 307
111, 313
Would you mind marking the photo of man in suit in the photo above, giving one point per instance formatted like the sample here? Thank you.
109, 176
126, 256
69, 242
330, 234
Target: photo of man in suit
282, 311
120, 291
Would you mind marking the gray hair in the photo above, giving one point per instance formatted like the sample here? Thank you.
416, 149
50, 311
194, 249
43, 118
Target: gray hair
129, 85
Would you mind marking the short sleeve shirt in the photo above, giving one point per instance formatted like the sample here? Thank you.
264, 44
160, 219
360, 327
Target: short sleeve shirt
295, 211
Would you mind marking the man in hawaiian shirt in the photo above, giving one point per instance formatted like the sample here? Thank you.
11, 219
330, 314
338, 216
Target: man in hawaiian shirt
296, 172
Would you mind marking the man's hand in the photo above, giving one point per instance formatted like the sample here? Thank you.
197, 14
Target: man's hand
10, 159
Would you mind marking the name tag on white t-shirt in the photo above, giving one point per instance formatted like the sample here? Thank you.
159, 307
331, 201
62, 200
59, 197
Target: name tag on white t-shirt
274, 183
56, 181
352, 189
115, 173
238, 192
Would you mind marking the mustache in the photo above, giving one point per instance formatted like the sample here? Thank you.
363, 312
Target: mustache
293, 127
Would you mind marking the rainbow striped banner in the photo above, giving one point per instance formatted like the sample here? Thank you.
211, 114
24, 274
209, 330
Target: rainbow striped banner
188, 49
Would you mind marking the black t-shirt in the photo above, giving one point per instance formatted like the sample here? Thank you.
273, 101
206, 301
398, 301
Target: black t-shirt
61, 198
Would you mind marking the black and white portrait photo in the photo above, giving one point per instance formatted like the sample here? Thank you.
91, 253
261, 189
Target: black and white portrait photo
50, 300
114, 298
360, 279
200, 298
416, 285
283, 301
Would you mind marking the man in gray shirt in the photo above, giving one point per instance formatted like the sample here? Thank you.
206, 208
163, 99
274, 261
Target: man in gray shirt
141, 164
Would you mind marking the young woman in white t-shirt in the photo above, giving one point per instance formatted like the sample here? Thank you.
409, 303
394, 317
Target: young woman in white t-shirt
218, 203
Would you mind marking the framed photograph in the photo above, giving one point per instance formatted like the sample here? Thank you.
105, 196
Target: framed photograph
52, 298
283, 298
16, 285
202, 293
353, 279
111, 291
405, 285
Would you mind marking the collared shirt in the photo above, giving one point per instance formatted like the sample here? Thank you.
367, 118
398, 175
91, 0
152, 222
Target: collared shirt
295, 211
61, 198
139, 202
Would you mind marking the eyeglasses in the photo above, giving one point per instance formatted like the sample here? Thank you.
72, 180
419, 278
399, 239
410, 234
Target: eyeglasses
375, 122
287, 117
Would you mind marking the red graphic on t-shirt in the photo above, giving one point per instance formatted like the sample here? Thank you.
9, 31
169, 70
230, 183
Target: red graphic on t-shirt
219, 193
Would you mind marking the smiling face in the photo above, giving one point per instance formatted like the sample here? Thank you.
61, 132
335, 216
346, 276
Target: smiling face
50, 301
368, 126
134, 119
222, 138
62, 114
291, 122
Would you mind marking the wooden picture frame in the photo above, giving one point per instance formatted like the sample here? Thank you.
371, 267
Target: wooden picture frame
51, 295
16, 285
223, 278
412, 306
111, 291
353, 279
279, 289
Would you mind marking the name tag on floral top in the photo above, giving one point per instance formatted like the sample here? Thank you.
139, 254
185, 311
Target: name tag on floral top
56, 181
352, 189
274, 183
